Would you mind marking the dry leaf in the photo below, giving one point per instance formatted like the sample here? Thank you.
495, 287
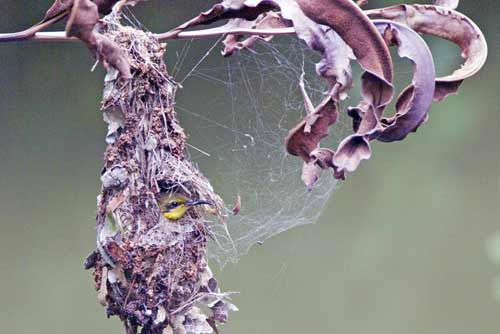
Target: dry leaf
339, 29
448, 24
306, 136
81, 24
103, 289
414, 102
237, 206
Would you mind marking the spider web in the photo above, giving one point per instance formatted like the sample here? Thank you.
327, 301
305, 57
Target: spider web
248, 104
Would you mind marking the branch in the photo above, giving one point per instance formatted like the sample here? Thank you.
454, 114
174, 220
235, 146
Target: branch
50, 36
32, 31
214, 32
60, 36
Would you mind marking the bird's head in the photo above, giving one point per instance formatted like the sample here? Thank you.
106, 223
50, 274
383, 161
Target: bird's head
174, 206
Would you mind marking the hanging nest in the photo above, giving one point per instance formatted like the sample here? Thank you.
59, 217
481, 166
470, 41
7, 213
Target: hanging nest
149, 271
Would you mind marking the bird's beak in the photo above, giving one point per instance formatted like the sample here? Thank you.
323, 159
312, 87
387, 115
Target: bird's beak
198, 202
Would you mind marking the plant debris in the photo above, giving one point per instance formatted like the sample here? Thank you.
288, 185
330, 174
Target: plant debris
237, 206
341, 31
151, 272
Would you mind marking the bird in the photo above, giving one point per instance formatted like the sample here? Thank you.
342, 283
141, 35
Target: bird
174, 206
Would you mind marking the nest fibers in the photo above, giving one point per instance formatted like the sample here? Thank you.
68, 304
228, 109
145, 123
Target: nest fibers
151, 272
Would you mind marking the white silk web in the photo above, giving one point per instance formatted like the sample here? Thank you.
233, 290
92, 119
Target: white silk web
237, 112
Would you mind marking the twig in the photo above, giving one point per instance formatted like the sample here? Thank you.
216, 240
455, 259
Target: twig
32, 31
60, 36
214, 32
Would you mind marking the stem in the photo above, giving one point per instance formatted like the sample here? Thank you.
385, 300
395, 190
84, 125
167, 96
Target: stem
214, 32
60, 36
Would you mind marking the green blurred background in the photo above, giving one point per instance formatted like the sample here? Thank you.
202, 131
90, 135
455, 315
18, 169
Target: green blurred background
399, 249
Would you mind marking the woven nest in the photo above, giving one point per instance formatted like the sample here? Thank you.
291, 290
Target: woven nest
151, 272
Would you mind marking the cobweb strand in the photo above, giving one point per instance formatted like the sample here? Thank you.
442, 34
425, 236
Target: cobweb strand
250, 101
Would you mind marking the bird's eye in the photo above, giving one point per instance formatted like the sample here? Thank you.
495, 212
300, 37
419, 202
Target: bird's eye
172, 205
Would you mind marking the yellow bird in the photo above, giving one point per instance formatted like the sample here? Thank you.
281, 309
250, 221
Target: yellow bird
174, 206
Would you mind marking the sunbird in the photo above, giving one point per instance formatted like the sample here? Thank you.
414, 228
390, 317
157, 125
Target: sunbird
175, 206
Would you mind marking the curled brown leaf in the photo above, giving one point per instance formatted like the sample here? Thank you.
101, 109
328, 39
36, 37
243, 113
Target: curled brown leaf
310, 18
415, 101
336, 55
82, 25
371, 52
450, 25
305, 137
57, 11
352, 150
57, 8
228, 9
335, 28
354, 27
412, 105
355, 148
340, 31
60, 6
321, 159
